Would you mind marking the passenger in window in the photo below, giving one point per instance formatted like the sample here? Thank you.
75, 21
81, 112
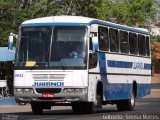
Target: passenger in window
78, 53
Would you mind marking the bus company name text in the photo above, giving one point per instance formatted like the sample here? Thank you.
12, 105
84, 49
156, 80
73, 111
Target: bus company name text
48, 84
138, 65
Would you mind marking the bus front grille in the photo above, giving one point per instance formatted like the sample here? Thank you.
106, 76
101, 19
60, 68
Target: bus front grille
48, 90
48, 77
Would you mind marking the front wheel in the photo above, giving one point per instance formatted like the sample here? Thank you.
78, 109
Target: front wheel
37, 108
88, 107
127, 104
84, 107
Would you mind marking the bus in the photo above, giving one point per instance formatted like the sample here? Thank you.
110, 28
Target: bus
114, 66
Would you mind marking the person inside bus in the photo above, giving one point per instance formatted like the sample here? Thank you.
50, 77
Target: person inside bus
78, 53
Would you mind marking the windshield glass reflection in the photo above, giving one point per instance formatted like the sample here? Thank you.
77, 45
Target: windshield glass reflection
55, 47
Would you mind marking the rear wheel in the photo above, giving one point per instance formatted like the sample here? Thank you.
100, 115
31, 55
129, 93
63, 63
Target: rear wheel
37, 108
127, 104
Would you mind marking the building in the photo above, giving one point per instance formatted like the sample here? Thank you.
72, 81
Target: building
6, 82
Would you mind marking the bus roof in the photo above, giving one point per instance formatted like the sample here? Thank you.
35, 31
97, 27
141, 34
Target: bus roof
77, 21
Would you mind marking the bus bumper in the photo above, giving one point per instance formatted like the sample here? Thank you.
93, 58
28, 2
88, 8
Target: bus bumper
52, 97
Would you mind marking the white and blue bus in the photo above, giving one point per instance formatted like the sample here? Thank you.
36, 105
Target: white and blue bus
82, 62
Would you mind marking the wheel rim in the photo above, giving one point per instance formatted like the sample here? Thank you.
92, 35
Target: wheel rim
132, 99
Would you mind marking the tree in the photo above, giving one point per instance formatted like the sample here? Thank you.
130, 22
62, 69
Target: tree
129, 12
133, 12
8, 19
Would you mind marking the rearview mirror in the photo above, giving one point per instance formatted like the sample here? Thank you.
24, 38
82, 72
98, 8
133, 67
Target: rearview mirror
10, 43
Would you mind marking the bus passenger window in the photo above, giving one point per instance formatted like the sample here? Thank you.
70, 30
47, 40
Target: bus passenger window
141, 45
147, 46
124, 42
103, 38
114, 42
133, 43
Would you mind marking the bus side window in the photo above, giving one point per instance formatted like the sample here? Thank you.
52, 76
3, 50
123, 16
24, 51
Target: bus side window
114, 42
147, 46
124, 47
103, 38
133, 43
141, 45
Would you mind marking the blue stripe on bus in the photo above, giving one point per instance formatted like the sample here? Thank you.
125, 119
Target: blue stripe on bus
102, 62
124, 64
102, 69
119, 64
147, 66
117, 91
123, 91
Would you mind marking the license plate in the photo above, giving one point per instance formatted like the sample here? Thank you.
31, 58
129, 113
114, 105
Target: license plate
47, 95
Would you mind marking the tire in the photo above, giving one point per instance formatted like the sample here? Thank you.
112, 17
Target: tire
127, 105
99, 101
77, 107
37, 108
88, 107
83, 107
92, 107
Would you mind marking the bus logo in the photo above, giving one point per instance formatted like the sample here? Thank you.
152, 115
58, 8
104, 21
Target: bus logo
48, 84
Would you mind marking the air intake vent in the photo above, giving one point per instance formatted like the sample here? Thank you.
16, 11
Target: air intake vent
48, 77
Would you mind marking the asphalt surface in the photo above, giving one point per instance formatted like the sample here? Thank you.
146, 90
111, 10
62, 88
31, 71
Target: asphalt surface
147, 108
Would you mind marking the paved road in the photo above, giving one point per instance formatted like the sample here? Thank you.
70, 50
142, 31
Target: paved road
147, 108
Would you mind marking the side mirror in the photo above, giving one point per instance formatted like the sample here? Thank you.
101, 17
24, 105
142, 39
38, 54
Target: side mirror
10, 43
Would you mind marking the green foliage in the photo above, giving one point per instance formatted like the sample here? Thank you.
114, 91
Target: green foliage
158, 24
133, 12
8, 13
129, 12
155, 38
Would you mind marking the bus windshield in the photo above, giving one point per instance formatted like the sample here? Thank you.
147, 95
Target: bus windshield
55, 47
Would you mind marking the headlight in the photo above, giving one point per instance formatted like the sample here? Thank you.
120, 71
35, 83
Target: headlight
22, 91
19, 91
28, 90
68, 90
80, 90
